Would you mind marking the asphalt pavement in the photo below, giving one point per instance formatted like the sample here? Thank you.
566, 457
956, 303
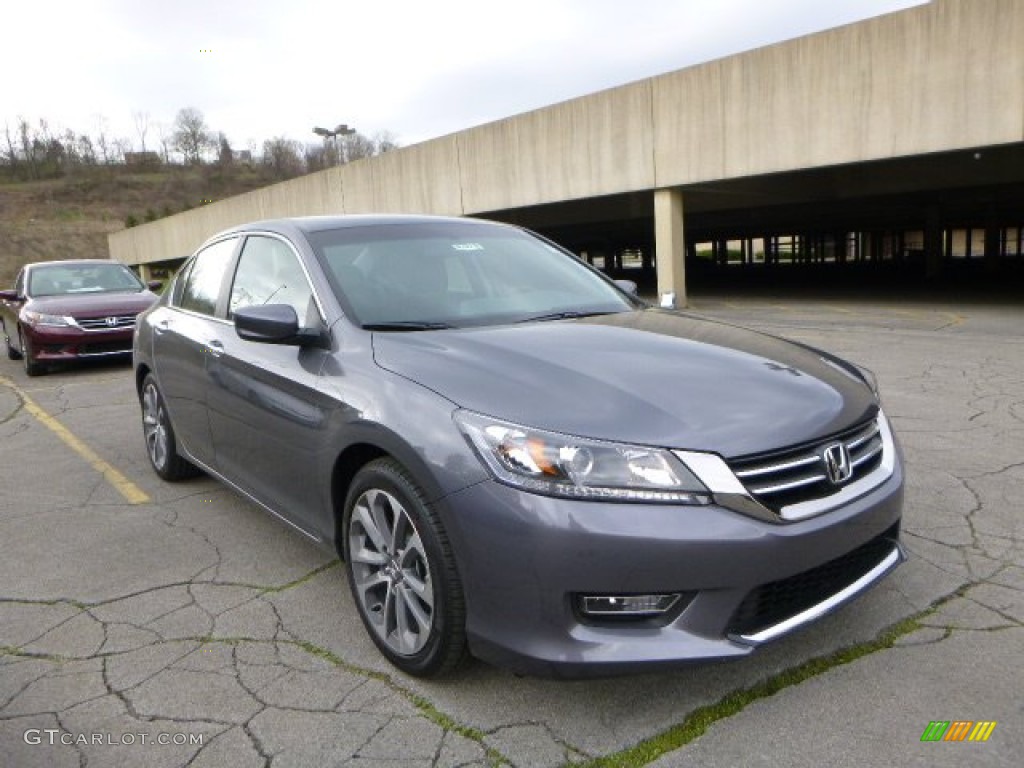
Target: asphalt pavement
145, 623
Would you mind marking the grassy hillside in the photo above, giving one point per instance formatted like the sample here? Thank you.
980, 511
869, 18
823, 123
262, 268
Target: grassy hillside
70, 218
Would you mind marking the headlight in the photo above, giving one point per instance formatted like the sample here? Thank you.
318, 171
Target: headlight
38, 318
575, 467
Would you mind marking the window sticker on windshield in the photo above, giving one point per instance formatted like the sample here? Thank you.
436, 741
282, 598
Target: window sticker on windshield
467, 246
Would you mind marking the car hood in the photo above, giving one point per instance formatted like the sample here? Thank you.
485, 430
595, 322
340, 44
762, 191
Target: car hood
651, 377
93, 304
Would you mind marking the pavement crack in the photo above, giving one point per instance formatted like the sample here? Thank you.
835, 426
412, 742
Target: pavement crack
83, 759
257, 744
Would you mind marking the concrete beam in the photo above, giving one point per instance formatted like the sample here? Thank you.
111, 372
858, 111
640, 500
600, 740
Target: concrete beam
669, 245
940, 77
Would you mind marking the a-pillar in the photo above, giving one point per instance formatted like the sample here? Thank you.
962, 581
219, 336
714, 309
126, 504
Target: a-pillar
669, 246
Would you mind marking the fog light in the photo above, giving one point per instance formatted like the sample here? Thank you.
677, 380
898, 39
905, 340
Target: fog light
627, 605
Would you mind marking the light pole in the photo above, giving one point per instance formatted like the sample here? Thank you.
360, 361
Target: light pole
339, 131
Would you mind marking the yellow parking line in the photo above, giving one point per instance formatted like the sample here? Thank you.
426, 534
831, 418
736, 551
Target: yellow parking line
131, 492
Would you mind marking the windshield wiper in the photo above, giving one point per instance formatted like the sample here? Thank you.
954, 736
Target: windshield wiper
567, 315
406, 325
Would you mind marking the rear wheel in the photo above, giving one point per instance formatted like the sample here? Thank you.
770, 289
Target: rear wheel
32, 368
402, 572
161, 445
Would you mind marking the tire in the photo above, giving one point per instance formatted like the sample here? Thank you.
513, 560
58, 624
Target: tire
161, 446
32, 368
12, 353
402, 572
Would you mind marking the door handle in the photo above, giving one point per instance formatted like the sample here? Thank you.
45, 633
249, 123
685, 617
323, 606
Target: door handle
215, 348
163, 325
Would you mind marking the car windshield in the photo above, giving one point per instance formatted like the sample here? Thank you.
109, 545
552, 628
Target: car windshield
420, 276
61, 279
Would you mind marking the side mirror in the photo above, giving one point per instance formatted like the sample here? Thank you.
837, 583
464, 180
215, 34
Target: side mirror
274, 324
9, 295
154, 285
628, 286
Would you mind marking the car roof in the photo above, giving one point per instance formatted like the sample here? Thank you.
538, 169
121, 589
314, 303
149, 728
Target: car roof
307, 224
71, 263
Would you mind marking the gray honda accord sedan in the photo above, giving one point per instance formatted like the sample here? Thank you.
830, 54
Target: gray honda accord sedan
515, 457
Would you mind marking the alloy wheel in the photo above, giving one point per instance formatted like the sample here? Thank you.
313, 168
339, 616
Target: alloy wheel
154, 425
391, 572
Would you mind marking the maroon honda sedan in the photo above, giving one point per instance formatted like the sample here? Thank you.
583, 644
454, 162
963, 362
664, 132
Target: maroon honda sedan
70, 310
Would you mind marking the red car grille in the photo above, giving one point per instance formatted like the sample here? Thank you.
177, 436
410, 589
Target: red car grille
109, 323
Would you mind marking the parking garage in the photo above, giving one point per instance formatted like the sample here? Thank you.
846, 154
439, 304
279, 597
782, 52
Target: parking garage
887, 154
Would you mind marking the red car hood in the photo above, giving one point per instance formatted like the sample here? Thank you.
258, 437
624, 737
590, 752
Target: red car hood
93, 304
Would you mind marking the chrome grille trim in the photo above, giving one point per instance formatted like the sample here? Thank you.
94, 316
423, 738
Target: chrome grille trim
768, 490
730, 492
772, 468
863, 437
869, 454
882, 569
804, 468
100, 323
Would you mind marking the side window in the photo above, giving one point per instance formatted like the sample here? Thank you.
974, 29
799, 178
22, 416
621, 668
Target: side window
269, 273
179, 283
202, 284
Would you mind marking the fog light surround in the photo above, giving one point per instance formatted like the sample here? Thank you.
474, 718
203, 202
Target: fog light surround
639, 606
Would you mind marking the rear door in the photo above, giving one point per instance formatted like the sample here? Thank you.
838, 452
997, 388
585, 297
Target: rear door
268, 418
182, 346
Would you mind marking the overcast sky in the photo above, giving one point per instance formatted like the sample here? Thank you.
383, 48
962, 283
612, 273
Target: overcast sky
258, 69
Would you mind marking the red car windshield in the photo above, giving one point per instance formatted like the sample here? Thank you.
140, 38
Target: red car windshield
61, 279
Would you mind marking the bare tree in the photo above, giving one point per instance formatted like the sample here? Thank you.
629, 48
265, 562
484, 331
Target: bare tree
121, 147
191, 137
317, 158
11, 153
356, 147
225, 155
103, 142
86, 150
283, 156
28, 153
141, 120
384, 141
165, 142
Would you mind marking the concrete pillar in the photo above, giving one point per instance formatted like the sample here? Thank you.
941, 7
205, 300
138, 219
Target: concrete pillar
669, 249
145, 273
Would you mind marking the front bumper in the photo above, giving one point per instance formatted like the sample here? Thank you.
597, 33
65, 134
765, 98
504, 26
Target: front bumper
57, 343
524, 560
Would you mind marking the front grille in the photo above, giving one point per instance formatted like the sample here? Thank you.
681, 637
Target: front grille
789, 477
770, 604
108, 323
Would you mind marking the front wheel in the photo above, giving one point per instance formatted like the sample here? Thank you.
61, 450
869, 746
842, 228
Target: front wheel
402, 572
32, 368
12, 353
161, 445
